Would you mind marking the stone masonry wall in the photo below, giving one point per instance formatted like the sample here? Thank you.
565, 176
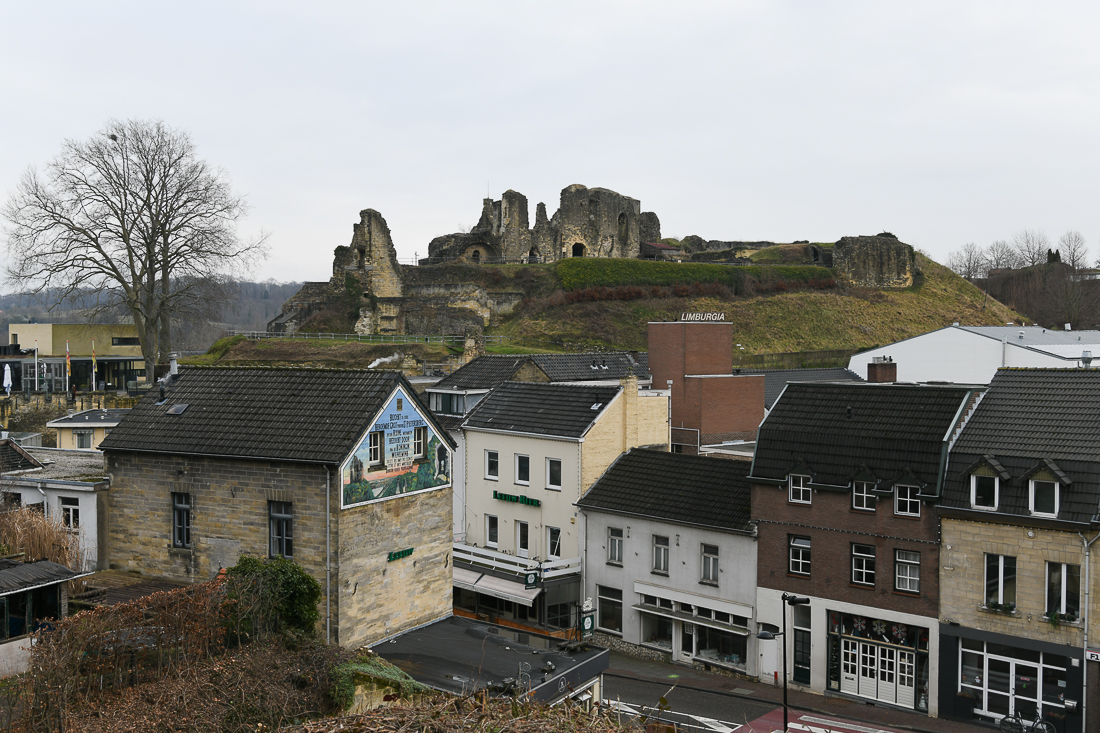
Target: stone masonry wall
962, 569
378, 597
874, 262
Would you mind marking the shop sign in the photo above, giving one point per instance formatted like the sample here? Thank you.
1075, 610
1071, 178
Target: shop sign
588, 624
517, 499
704, 317
531, 580
1091, 656
398, 554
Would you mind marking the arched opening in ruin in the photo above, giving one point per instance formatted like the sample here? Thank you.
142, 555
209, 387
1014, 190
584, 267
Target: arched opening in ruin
578, 250
533, 255
476, 256
622, 228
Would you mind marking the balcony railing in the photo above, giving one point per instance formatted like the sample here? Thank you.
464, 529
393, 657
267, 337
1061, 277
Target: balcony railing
483, 557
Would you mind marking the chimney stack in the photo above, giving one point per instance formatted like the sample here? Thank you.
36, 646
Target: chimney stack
882, 369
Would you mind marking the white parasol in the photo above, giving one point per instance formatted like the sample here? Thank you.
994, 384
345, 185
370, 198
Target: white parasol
7, 379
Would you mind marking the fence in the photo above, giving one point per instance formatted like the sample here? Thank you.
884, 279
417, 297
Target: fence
456, 340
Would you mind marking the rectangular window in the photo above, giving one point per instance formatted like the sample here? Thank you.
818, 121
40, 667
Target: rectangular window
800, 489
559, 615
907, 571
799, 548
553, 473
1000, 581
70, 512
523, 469
280, 518
710, 564
492, 465
862, 498
906, 502
492, 531
181, 520
609, 616
863, 564
420, 441
523, 540
83, 439
125, 341
553, 543
983, 492
1043, 498
660, 554
615, 545
1064, 590
375, 448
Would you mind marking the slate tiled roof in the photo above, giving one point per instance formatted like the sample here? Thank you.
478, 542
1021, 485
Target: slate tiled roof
491, 371
776, 379
695, 490
562, 410
895, 432
1028, 417
14, 458
313, 415
90, 418
17, 576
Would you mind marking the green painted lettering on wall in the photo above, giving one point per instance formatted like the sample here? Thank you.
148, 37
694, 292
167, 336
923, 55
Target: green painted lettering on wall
398, 554
517, 499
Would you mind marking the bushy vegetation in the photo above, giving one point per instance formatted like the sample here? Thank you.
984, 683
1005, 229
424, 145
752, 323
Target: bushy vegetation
342, 691
271, 595
586, 272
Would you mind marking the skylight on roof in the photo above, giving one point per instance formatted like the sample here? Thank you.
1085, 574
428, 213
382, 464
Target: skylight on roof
597, 406
177, 409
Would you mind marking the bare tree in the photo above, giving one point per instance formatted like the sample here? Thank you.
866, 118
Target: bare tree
1074, 249
969, 261
135, 218
1031, 246
1000, 255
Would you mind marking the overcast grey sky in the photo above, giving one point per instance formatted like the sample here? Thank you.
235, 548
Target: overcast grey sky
941, 122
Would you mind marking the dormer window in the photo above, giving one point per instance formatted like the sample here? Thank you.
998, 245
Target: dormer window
800, 491
984, 492
862, 498
1043, 498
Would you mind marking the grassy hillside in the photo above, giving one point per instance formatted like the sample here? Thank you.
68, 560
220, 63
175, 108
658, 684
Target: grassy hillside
777, 320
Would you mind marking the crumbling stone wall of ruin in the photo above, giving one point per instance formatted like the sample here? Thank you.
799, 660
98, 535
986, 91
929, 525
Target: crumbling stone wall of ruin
649, 228
874, 262
597, 222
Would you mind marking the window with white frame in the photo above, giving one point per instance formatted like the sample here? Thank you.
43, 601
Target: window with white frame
907, 571
862, 498
984, 491
1000, 581
83, 439
863, 564
420, 442
710, 564
70, 512
1063, 590
615, 545
906, 502
492, 465
660, 554
553, 473
553, 543
492, 531
375, 449
523, 469
799, 553
1042, 498
800, 491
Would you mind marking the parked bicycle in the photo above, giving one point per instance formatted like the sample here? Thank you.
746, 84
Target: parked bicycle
1015, 724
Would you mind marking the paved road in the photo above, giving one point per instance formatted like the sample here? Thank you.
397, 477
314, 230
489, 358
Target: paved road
704, 711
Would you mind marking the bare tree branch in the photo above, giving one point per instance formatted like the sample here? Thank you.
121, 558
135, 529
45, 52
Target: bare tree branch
1074, 249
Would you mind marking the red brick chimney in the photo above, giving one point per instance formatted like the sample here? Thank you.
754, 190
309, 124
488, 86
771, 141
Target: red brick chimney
882, 369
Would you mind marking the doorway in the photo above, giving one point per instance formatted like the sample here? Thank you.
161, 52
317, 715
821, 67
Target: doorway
578, 250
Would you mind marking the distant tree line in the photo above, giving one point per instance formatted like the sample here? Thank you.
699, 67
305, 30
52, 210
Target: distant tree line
1028, 248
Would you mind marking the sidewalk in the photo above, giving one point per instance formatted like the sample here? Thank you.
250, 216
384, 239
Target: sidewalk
694, 679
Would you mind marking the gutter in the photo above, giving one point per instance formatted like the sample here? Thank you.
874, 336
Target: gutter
599, 509
44, 585
1085, 641
942, 472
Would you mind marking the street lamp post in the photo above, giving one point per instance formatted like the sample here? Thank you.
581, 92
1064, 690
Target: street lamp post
790, 600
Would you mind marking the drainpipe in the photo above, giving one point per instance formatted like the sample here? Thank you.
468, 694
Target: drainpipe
328, 560
1085, 643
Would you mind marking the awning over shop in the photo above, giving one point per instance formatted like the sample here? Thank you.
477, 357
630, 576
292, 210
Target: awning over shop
681, 616
509, 590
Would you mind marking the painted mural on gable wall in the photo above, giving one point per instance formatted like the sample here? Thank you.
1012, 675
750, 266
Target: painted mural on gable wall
400, 454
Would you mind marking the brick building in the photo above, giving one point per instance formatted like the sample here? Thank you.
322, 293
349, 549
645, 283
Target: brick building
344, 471
1020, 505
844, 479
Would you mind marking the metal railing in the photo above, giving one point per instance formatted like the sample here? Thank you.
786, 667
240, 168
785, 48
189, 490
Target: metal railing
491, 559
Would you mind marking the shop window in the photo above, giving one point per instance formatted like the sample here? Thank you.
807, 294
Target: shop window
559, 615
1000, 582
723, 647
800, 492
610, 614
657, 630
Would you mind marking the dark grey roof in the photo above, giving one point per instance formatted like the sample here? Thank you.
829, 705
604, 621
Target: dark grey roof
776, 379
1027, 418
91, 418
313, 415
17, 576
14, 458
895, 432
696, 490
491, 371
562, 410
593, 365
484, 372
